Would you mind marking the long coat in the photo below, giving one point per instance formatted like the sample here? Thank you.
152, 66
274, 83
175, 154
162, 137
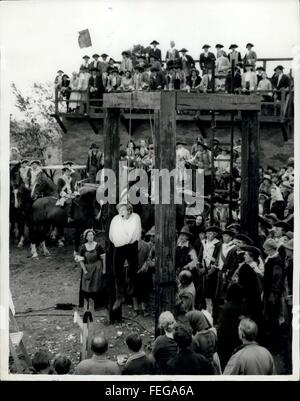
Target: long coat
206, 61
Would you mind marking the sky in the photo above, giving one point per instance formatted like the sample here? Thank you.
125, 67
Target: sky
38, 38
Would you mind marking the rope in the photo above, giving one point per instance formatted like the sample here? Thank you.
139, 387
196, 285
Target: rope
151, 127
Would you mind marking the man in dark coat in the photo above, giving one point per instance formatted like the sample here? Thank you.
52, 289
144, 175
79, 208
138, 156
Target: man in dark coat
187, 362
138, 362
154, 50
273, 288
206, 58
280, 80
157, 79
95, 64
96, 88
94, 162
186, 61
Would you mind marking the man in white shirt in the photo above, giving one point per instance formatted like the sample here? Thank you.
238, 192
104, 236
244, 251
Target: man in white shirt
125, 232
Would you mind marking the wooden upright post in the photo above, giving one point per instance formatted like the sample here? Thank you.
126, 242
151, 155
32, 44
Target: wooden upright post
250, 176
165, 215
111, 161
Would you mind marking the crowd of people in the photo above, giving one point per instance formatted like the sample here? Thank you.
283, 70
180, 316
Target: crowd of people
217, 72
234, 293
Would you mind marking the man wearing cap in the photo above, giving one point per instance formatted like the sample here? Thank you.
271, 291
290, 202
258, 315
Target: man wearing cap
187, 61
96, 88
85, 64
186, 258
126, 63
280, 80
250, 56
206, 59
208, 257
95, 64
154, 50
259, 71
94, 163
125, 232
234, 55
272, 290
157, 80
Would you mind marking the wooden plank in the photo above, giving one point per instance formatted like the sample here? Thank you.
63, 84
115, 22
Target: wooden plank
217, 101
133, 100
250, 176
111, 161
165, 214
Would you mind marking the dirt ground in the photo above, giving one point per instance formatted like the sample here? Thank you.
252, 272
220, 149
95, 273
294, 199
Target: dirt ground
38, 285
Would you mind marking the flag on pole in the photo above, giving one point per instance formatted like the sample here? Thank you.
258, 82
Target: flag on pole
84, 39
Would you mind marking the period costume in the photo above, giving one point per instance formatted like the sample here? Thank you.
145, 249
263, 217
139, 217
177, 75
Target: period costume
206, 59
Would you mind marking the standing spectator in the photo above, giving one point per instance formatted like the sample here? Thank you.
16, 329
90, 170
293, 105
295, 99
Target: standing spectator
138, 362
85, 63
96, 88
249, 79
234, 55
125, 232
229, 320
98, 364
264, 84
250, 358
154, 50
220, 51
94, 162
279, 81
208, 81
164, 347
273, 288
62, 365
206, 59
187, 362
65, 89
259, 71
75, 95
103, 65
84, 76
113, 80
234, 84
185, 258
250, 56
172, 53
222, 65
126, 63
92, 262
58, 79
187, 61
95, 64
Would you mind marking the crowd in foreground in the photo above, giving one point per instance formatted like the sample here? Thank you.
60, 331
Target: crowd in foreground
217, 72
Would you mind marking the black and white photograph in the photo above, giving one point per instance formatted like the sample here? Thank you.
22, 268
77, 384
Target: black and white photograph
149, 192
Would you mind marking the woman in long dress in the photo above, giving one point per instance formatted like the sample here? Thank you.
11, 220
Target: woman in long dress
75, 96
92, 262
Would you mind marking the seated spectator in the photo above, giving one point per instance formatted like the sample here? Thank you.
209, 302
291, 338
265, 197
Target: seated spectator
264, 84
98, 364
164, 346
207, 83
250, 358
113, 81
126, 63
62, 365
193, 80
250, 56
249, 79
126, 82
178, 79
204, 338
187, 362
138, 362
157, 80
140, 78
41, 363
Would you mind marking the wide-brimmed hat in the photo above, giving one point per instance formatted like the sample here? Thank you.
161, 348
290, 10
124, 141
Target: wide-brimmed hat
279, 67
229, 232
104, 55
85, 57
186, 230
95, 55
260, 69
125, 53
213, 229
289, 245
24, 161
272, 216
65, 168
154, 42
234, 226
151, 232
205, 46
249, 44
248, 65
233, 46
154, 68
60, 71
253, 249
244, 238
183, 50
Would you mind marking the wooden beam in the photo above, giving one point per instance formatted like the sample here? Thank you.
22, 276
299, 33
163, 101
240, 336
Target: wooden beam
217, 101
60, 123
111, 161
250, 176
133, 100
165, 214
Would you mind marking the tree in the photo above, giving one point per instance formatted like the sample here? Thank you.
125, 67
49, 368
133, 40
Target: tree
37, 131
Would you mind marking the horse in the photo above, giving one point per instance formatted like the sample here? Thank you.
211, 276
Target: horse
45, 213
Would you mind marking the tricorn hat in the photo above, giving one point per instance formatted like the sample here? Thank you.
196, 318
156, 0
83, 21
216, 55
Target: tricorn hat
284, 225
253, 249
68, 162
35, 161
154, 42
85, 57
233, 46
260, 68
249, 44
213, 229
24, 161
183, 50
205, 46
229, 232
218, 46
60, 71
279, 67
244, 238
95, 55
104, 55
